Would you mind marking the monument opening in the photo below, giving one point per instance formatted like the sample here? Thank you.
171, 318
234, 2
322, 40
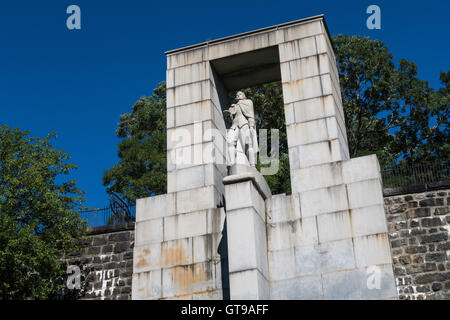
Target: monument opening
257, 75
248, 69
272, 159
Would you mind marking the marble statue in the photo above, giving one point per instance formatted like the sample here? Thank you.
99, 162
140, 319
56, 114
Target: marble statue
243, 129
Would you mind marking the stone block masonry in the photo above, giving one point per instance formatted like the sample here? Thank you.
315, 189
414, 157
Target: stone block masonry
247, 239
326, 240
178, 252
419, 226
106, 264
341, 228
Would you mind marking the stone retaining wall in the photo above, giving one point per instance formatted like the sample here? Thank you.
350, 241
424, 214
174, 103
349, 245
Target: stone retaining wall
418, 227
106, 264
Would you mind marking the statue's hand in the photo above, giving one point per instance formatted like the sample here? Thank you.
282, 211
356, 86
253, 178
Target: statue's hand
227, 114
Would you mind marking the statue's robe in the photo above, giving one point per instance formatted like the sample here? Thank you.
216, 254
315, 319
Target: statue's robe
246, 106
239, 120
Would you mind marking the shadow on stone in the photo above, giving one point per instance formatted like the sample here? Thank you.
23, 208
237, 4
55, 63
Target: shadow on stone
222, 250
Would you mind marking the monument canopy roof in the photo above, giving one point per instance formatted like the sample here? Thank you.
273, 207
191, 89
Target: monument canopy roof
245, 34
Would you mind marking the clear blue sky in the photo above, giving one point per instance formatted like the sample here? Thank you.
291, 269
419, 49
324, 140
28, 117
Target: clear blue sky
78, 82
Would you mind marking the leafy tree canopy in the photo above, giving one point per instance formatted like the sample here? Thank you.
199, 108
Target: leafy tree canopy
142, 168
389, 110
38, 218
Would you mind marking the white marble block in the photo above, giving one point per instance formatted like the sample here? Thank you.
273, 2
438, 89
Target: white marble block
247, 240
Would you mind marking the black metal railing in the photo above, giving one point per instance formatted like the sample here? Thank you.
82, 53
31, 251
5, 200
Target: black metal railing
419, 174
105, 216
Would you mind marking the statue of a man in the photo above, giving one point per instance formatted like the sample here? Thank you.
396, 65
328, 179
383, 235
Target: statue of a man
242, 129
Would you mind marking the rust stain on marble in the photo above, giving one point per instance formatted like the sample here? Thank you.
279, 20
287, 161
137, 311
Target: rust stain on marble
141, 260
175, 254
191, 278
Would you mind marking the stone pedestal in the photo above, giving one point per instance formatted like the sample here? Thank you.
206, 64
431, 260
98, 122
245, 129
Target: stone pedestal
246, 233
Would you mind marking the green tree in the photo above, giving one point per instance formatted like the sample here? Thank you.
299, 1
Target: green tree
368, 81
142, 169
38, 219
269, 114
389, 110
415, 99
269, 109
440, 132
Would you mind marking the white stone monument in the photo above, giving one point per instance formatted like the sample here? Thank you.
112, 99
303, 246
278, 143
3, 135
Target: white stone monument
219, 236
242, 130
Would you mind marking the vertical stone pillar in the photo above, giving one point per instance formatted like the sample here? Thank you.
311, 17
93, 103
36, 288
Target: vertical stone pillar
314, 114
329, 238
247, 240
179, 234
195, 126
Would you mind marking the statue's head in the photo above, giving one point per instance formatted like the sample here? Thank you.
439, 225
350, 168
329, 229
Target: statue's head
240, 95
